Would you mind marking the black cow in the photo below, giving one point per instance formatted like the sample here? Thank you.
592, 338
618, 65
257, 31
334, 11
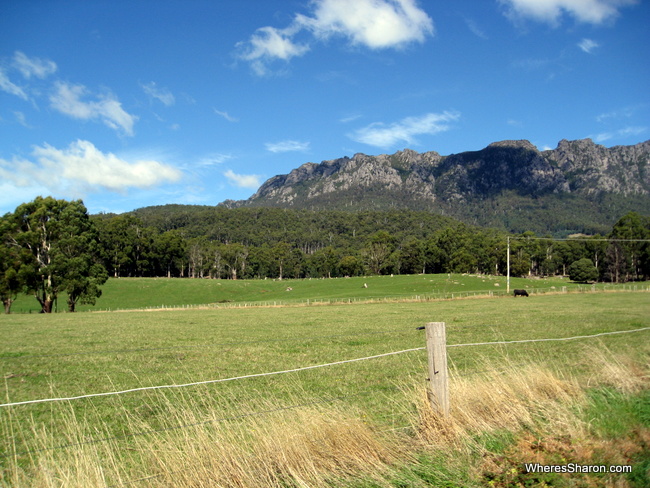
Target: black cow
521, 293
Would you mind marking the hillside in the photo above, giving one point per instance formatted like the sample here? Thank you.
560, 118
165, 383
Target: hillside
579, 186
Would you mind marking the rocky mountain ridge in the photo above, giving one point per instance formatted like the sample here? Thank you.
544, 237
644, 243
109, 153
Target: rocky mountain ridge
466, 183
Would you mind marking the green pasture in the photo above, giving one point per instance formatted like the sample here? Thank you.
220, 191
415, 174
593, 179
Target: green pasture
65, 355
143, 293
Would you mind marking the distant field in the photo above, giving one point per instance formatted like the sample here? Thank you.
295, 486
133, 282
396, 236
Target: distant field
142, 293
74, 354
65, 355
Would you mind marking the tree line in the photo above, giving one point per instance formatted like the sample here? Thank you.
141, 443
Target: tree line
50, 247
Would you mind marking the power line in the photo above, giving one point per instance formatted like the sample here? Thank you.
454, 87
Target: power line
585, 239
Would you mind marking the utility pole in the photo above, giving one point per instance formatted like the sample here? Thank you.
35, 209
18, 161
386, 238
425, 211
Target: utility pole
508, 267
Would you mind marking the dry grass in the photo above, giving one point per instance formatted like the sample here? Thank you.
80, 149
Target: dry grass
545, 411
528, 396
514, 399
76, 467
325, 445
307, 448
617, 371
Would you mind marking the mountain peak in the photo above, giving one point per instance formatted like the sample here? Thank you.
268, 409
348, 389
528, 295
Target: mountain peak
518, 144
505, 177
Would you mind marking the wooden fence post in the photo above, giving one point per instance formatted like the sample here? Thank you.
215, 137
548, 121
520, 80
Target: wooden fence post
438, 378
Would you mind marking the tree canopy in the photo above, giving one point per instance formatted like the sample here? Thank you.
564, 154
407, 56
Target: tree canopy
53, 248
583, 270
50, 247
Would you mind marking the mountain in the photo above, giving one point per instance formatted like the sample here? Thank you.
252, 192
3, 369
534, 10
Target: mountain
579, 186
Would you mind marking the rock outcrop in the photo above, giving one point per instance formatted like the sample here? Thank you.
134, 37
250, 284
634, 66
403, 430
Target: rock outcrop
581, 167
579, 186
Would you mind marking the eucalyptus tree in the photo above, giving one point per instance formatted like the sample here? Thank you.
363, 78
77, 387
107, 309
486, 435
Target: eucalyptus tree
412, 256
324, 262
235, 259
16, 264
62, 243
377, 251
628, 257
169, 253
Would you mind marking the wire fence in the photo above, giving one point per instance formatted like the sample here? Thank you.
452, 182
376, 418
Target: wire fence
423, 297
319, 401
188, 425
315, 366
435, 295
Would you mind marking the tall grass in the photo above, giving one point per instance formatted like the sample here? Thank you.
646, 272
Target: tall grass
537, 413
510, 403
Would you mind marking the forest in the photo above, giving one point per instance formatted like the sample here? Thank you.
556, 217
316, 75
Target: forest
49, 246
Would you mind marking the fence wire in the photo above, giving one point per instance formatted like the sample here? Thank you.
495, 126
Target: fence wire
305, 368
283, 408
185, 426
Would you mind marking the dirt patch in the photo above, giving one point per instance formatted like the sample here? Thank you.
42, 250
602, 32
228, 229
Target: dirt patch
573, 455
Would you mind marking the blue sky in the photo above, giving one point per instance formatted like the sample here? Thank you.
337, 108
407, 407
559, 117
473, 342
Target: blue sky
127, 104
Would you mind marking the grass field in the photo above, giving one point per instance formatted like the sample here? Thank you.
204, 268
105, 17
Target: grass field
378, 403
142, 293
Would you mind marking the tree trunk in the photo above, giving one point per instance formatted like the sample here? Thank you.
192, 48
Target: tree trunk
46, 305
7, 303
46, 301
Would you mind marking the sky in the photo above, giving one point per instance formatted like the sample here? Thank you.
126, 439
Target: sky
127, 104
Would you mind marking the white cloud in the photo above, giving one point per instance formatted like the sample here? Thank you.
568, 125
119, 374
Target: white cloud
8, 87
213, 159
349, 118
550, 11
40, 68
588, 45
267, 45
475, 29
622, 113
12, 196
67, 99
630, 131
243, 181
22, 120
163, 95
404, 131
375, 24
226, 116
287, 146
81, 167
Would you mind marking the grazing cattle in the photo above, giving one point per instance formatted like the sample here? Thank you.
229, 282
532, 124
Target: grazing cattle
521, 293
